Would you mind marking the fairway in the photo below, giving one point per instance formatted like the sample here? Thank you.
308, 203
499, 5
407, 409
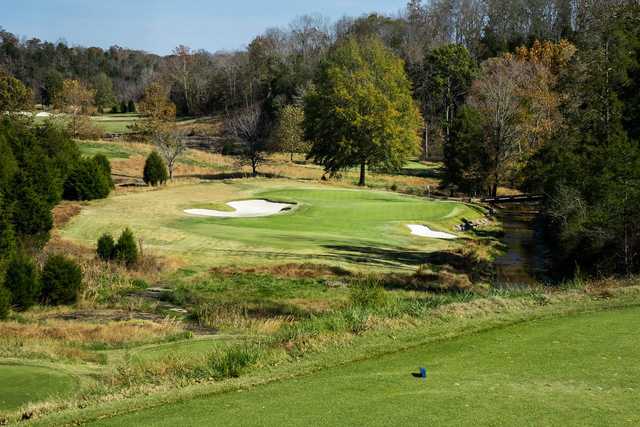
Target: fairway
329, 225
23, 384
580, 370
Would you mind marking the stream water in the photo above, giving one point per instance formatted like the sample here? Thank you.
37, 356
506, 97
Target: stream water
525, 259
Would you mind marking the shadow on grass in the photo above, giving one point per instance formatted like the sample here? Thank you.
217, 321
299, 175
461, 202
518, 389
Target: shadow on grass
231, 175
399, 256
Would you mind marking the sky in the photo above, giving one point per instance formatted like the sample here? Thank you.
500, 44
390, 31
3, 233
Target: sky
160, 25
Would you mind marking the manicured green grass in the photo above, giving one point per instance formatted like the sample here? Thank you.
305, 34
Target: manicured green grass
578, 371
20, 384
111, 151
116, 123
333, 226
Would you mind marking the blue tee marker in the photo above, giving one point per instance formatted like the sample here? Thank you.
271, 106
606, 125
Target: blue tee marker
423, 373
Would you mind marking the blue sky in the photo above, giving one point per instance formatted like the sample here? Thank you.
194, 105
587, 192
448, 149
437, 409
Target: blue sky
160, 25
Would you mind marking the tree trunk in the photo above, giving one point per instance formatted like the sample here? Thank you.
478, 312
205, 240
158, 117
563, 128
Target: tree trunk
254, 166
362, 174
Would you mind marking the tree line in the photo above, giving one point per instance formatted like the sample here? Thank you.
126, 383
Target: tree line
537, 95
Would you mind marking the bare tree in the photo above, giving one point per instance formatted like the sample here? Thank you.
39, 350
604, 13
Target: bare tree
249, 126
496, 97
170, 145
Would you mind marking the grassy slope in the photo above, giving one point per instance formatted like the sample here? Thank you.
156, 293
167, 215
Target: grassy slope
21, 384
333, 226
573, 371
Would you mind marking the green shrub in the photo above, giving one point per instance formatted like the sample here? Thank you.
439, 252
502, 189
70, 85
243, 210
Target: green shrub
21, 280
7, 235
104, 164
232, 362
106, 247
88, 181
131, 106
61, 281
32, 218
126, 249
155, 170
368, 292
5, 302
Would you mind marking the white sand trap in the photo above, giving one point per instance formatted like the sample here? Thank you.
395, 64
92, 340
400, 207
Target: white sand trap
43, 114
423, 231
244, 209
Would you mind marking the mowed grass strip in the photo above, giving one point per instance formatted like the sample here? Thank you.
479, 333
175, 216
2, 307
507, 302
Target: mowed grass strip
21, 384
574, 371
328, 225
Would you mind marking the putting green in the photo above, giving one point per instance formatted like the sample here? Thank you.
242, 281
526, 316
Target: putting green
329, 225
574, 371
20, 384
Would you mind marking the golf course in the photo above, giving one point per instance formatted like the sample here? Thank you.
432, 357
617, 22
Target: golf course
342, 227
336, 213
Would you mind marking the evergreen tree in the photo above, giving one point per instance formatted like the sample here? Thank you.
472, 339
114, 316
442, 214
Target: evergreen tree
106, 247
442, 86
32, 218
105, 166
5, 302
52, 88
7, 234
22, 282
155, 172
61, 281
465, 156
88, 181
126, 249
131, 107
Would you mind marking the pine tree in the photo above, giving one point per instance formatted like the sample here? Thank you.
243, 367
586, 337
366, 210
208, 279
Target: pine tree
22, 281
61, 281
155, 172
126, 249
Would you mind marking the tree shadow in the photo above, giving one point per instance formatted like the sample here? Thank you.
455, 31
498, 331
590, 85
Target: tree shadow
230, 175
398, 256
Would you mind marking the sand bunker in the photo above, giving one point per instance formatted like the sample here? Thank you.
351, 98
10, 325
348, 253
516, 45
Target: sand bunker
423, 231
244, 209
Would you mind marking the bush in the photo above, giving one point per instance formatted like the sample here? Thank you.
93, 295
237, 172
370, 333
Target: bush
106, 247
104, 165
61, 281
83, 127
88, 181
155, 170
22, 281
368, 292
5, 302
131, 107
126, 249
232, 362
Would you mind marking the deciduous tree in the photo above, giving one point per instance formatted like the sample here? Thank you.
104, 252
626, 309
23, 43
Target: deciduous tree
14, 96
76, 100
250, 127
361, 112
289, 133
